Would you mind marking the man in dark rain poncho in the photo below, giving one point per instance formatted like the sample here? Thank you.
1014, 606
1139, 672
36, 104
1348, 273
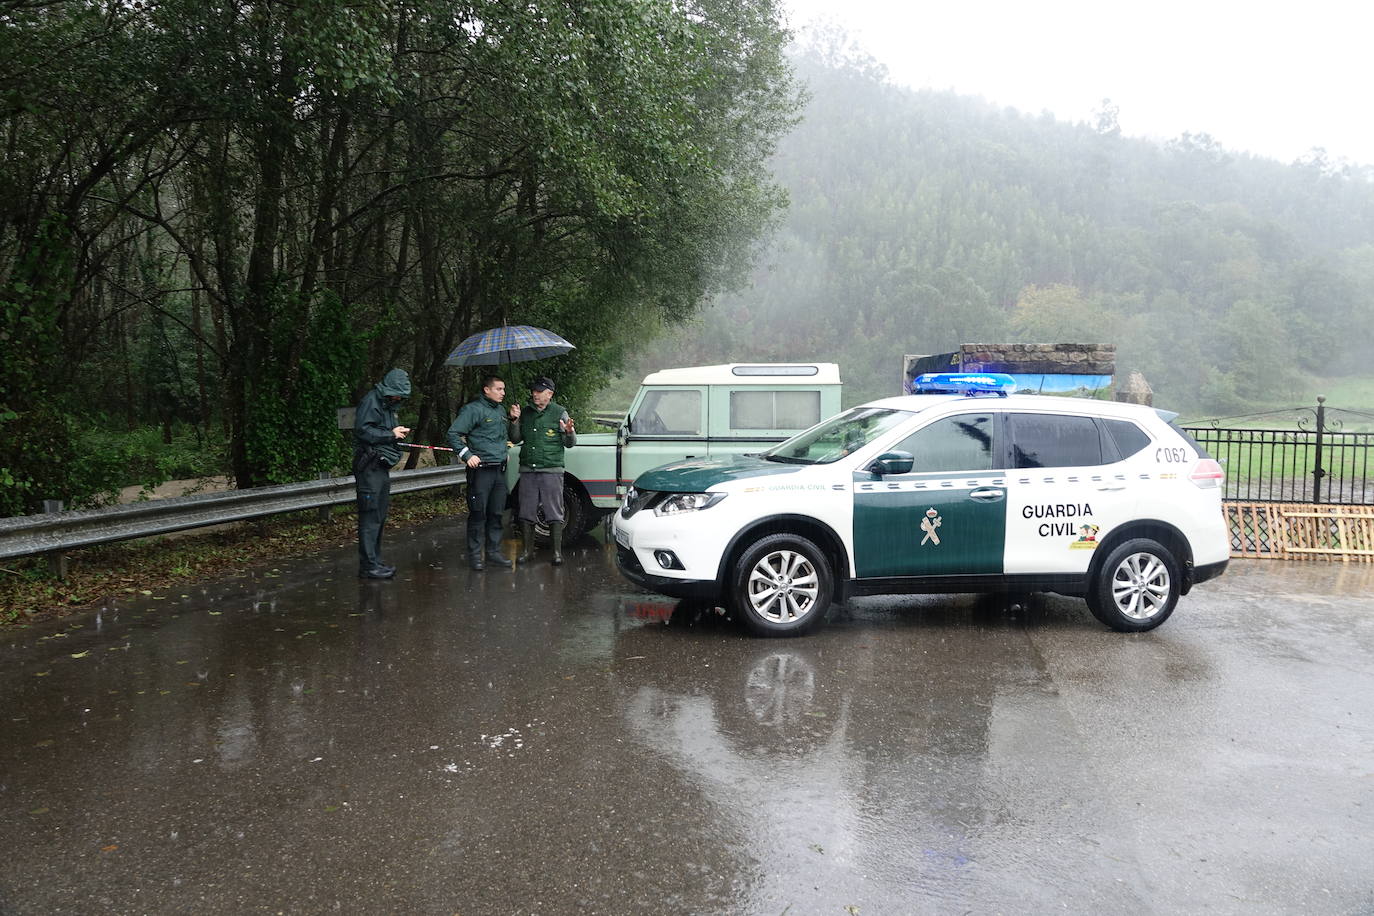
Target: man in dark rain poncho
375, 434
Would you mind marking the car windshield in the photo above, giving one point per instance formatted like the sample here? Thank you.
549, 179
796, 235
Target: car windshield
837, 437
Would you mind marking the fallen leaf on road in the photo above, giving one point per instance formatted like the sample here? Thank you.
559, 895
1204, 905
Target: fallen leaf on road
81, 654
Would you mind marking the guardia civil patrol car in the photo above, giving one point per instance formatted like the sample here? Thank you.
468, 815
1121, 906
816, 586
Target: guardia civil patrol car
964, 487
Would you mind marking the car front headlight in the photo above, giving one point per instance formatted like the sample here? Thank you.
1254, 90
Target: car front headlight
677, 503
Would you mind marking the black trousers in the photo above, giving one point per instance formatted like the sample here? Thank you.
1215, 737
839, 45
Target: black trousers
487, 492
374, 499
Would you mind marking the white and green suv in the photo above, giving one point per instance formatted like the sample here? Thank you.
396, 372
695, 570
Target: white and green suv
938, 493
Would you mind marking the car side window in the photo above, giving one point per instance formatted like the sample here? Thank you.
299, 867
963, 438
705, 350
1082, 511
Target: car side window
959, 443
1053, 441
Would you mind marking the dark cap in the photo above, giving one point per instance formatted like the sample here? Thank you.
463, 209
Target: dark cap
542, 384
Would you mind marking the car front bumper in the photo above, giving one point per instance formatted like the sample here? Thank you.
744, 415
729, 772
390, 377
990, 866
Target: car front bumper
632, 569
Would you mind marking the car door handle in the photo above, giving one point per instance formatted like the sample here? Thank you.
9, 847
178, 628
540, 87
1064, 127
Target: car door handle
987, 494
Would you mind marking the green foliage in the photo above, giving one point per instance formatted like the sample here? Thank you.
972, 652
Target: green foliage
1057, 312
189, 184
291, 427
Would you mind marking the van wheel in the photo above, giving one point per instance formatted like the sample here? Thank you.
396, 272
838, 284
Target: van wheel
576, 514
781, 586
1136, 587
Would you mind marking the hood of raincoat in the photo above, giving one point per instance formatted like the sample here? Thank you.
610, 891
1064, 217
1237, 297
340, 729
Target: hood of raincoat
396, 384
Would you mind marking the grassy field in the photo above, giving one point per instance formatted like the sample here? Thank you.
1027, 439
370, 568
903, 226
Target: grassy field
1353, 392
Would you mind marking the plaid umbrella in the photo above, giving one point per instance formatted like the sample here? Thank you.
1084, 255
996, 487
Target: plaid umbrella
507, 344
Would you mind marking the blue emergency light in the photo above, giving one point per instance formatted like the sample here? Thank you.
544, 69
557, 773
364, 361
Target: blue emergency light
967, 383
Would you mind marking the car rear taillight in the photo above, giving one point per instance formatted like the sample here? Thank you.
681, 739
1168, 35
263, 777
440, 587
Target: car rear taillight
1207, 473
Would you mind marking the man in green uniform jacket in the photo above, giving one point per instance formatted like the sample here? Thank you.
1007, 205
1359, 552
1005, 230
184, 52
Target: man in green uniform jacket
375, 434
543, 430
479, 435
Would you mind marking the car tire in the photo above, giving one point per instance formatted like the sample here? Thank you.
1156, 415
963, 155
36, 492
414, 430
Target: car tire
781, 585
576, 514
1136, 587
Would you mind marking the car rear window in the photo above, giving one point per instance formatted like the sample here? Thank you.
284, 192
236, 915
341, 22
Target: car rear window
1201, 452
1128, 437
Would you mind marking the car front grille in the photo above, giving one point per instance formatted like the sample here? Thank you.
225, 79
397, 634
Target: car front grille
636, 500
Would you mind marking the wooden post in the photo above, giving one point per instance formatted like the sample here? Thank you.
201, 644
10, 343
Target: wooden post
57, 560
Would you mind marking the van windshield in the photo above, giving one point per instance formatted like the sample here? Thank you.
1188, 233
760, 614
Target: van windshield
837, 437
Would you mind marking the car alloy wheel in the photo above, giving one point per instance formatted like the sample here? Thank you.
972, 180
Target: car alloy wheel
783, 586
1141, 586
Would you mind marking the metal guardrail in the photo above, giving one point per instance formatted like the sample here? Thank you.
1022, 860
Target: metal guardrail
28, 535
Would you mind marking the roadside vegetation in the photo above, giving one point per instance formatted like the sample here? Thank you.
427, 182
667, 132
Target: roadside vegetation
234, 218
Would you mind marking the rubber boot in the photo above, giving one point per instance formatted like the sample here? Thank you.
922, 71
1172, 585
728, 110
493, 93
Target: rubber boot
556, 535
527, 535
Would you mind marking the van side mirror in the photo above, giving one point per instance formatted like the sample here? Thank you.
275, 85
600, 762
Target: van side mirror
892, 463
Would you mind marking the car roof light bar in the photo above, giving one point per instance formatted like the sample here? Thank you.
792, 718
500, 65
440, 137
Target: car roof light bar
998, 384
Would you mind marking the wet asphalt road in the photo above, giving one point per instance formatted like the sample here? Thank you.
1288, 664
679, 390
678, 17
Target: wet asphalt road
555, 741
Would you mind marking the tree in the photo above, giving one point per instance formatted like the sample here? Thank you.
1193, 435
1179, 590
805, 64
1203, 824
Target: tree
343, 188
1058, 313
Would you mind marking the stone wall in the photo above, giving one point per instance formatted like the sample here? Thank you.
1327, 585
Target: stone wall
1027, 359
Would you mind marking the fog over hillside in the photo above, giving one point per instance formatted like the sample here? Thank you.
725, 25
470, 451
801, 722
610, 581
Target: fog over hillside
920, 220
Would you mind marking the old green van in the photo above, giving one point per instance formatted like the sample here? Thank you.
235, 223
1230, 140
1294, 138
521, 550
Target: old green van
694, 412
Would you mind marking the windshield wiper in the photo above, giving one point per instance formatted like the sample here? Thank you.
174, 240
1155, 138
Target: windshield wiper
783, 459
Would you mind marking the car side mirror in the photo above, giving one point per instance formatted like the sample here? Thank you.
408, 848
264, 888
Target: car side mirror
892, 463
622, 433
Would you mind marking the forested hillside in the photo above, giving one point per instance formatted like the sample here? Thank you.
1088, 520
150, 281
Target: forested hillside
922, 220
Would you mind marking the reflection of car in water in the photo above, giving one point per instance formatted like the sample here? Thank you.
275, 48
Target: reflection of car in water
939, 492
850, 758
779, 689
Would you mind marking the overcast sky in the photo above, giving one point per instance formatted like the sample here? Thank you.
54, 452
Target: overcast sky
1275, 79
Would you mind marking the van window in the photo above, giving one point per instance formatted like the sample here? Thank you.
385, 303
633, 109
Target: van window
774, 409
668, 412
1053, 441
959, 443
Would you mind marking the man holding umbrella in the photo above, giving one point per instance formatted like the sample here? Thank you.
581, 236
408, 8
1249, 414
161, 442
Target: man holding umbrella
479, 436
479, 433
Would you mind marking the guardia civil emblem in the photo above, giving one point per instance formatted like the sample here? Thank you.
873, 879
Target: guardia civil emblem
928, 525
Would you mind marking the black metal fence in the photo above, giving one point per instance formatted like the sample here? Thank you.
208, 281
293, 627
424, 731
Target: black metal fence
1315, 462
